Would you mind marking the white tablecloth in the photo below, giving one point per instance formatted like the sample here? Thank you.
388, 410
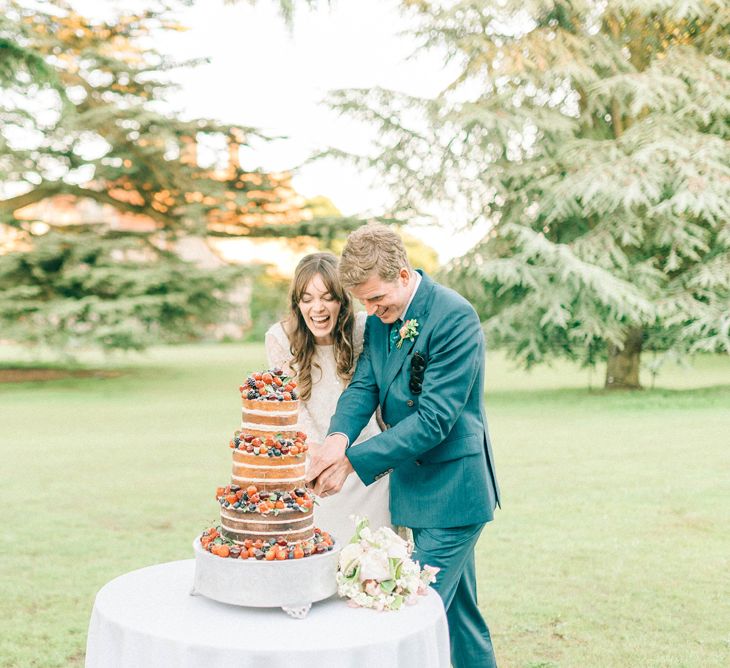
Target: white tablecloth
148, 618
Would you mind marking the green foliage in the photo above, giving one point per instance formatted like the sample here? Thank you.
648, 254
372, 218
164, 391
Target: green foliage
594, 139
269, 302
73, 290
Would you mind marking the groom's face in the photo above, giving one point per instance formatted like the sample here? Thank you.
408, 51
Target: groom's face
385, 299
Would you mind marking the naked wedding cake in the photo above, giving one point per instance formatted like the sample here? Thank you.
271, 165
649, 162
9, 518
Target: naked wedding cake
266, 513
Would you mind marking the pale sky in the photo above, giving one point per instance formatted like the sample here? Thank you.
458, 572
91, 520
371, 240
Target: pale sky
263, 74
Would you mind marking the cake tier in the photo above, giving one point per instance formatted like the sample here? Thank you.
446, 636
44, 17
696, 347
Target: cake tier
270, 412
267, 473
291, 526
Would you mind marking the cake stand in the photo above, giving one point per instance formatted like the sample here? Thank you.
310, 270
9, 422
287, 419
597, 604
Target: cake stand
291, 584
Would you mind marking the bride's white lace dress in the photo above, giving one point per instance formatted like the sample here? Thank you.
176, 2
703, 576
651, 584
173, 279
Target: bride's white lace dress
333, 513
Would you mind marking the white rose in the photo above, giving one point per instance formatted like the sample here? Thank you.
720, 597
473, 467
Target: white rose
374, 566
349, 556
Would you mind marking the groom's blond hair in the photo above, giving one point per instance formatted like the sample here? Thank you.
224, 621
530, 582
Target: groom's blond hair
372, 249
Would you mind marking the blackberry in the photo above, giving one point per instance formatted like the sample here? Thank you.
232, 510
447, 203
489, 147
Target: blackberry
251, 382
252, 394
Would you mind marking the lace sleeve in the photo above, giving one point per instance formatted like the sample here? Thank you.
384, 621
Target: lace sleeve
277, 349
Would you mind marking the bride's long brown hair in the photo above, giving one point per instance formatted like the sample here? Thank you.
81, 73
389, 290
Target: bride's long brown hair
301, 339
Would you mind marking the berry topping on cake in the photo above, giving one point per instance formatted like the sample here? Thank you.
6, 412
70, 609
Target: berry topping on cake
274, 549
254, 501
271, 446
270, 385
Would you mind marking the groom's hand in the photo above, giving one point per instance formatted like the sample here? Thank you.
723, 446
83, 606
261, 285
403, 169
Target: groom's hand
331, 480
329, 455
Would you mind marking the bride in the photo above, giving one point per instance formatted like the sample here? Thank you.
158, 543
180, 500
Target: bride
319, 342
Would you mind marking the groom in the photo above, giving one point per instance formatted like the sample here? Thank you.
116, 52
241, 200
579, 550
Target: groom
423, 363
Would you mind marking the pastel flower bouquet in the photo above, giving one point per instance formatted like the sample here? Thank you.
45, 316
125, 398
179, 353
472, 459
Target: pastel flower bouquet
376, 570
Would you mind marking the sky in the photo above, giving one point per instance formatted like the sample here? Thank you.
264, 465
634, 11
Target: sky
264, 74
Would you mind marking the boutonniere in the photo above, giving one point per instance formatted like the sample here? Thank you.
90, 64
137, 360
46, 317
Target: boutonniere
409, 331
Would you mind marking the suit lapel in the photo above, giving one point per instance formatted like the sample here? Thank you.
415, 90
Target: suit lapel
418, 310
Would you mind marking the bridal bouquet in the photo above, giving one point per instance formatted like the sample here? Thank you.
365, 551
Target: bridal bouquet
376, 571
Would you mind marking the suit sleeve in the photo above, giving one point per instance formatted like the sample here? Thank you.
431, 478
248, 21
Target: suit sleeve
455, 357
358, 402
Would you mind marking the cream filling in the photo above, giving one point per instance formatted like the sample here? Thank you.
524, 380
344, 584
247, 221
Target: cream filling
298, 520
253, 411
254, 465
267, 427
299, 479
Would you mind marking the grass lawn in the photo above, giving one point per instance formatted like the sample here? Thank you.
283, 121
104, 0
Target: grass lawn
612, 547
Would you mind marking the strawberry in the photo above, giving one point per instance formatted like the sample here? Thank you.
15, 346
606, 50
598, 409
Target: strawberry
251, 490
298, 552
287, 396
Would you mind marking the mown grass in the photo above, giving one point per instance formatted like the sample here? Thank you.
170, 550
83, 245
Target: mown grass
611, 548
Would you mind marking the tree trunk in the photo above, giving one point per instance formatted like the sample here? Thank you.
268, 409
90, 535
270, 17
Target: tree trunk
622, 371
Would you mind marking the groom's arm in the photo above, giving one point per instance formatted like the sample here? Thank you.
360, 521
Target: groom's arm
455, 357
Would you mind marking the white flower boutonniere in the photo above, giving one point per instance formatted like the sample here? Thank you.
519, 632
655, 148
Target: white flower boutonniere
409, 331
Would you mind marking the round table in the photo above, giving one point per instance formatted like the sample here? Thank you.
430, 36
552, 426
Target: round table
148, 618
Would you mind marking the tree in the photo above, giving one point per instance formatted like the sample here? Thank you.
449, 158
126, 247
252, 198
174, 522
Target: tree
69, 290
80, 118
594, 138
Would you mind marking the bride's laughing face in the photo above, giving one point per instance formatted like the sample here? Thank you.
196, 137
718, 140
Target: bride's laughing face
319, 310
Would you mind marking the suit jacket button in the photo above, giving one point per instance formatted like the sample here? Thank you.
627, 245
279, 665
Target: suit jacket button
409, 403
